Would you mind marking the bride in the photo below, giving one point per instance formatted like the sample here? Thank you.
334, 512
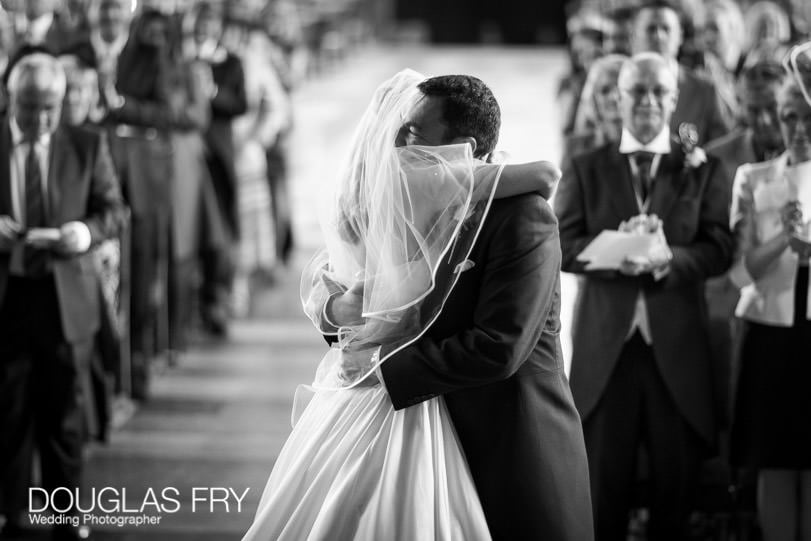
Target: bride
353, 467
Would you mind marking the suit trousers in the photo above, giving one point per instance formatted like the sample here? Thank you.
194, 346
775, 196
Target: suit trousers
636, 409
40, 393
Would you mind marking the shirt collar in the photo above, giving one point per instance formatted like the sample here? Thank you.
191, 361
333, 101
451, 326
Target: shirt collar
18, 138
659, 145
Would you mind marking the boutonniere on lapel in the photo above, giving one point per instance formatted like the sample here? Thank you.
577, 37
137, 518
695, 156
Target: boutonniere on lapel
694, 155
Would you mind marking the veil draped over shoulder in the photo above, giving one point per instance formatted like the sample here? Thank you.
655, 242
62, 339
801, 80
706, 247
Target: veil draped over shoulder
401, 220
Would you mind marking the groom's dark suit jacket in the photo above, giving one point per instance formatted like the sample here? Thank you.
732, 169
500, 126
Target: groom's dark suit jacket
494, 355
597, 194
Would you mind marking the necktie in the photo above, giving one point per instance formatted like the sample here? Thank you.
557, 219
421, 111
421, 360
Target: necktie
642, 179
35, 261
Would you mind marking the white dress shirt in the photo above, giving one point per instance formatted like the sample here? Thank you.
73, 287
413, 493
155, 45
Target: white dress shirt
19, 156
658, 146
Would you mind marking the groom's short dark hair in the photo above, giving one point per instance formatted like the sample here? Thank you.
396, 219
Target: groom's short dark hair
469, 109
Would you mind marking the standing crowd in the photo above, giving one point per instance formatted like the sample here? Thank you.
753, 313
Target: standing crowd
145, 193
691, 122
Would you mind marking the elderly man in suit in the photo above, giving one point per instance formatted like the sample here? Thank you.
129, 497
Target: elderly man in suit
59, 197
640, 363
657, 28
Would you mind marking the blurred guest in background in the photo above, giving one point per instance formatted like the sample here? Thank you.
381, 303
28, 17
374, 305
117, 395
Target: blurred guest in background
586, 30
195, 221
41, 24
771, 432
640, 361
658, 28
81, 101
598, 120
621, 29
757, 141
767, 23
136, 117
255, 133
228, 101
49, 309
722, 37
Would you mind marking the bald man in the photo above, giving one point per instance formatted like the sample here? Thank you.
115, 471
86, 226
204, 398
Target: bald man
59, 197
640, 361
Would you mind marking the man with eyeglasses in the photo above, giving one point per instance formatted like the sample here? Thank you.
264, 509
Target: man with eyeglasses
657, 28
641, 355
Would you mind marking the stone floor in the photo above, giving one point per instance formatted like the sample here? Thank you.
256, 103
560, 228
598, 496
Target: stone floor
220, 417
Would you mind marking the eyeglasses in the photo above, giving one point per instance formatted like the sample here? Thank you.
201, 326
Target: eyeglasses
637, 92
798, 63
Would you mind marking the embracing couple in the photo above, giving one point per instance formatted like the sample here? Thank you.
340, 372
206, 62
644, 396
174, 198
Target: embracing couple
441, 410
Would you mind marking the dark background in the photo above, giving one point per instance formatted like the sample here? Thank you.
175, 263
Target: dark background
473, 21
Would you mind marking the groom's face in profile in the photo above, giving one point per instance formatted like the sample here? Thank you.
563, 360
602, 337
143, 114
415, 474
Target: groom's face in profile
424, 124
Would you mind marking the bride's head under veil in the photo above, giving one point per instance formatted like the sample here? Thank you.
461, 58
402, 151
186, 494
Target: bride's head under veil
401, 220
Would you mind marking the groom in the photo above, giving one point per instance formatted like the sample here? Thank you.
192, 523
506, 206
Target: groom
494, 352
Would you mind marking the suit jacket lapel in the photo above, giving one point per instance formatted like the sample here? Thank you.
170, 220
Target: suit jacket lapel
6, 207
668, 183
622, 193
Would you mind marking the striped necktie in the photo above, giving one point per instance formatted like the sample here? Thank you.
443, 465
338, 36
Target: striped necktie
644, 162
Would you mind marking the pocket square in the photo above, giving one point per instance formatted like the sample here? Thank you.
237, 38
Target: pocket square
467, 264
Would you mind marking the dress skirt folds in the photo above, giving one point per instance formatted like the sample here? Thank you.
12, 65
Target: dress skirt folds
356, 469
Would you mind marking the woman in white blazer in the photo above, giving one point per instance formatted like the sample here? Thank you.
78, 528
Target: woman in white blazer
772, 427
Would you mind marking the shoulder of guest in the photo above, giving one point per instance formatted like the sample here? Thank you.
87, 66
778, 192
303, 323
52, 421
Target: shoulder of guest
583, 159
726, 142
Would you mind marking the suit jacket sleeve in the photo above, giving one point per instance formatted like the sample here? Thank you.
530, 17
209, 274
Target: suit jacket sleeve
570, 209
106, 211
710, 253
230, 100
518, 286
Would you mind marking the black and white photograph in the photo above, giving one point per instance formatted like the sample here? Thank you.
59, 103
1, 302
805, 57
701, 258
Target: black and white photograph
405, 270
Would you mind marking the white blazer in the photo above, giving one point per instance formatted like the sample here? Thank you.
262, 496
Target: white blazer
760, 191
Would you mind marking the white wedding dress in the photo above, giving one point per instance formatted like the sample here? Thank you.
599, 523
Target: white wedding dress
356, 469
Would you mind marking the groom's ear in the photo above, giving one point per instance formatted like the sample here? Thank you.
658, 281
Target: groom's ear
469, 140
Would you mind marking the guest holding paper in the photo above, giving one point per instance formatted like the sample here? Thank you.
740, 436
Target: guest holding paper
640, 362
59, 198
771, 431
